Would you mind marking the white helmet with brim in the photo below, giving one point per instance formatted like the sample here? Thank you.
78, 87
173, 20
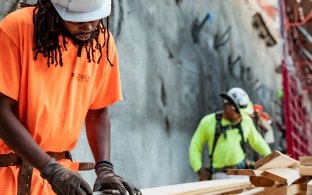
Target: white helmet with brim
82, 10
237, 97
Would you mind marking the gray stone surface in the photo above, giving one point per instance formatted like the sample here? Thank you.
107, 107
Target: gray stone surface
170, 82
6, 6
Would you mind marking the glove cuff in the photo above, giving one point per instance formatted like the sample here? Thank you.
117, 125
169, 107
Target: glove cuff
104, 167
103, 162
48, 168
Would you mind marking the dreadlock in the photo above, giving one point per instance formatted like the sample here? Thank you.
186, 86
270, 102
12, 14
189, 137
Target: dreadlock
47, 29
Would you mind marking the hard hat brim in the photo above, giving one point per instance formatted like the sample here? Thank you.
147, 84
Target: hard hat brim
84, 16
230, 99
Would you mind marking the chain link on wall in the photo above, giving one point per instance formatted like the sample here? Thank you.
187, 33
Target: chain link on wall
297, 77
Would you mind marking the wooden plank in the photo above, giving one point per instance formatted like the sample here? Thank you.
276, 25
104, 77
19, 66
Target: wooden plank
248, 172
305, 160
276, 160
250, 190
283, 190
309, 188
267, 158
218, 187
202, 187
260, 181
305, 170
283, 175
253, 191
302, 180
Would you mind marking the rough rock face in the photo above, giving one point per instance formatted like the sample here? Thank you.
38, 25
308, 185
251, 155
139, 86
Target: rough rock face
172, 76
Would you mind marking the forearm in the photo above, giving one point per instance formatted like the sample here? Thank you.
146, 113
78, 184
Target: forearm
17, 137
195, 156
259, 144
98, 133
262, 148
195, 162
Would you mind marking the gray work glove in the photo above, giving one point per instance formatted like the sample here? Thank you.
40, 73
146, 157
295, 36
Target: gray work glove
64, 181
108, 180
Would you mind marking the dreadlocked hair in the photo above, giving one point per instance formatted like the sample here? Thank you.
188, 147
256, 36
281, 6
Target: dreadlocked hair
47, 29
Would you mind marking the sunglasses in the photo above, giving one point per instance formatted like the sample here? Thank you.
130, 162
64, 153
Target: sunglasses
232, 106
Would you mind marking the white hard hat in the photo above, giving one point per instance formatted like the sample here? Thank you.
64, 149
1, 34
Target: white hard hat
237, 96
82, 10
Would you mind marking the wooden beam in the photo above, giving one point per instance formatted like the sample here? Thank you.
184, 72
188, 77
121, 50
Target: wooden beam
261, 181
276, 160
305, 170
283, 175
253, 191
248, 172
267, 159
302, 180
305, 160
202, 187
309, 188
283, 190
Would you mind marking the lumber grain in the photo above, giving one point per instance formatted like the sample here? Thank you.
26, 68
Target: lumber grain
202, 187
261, 181
247, 172
276, 160
305, 160
283, 175
283, 190
305, 170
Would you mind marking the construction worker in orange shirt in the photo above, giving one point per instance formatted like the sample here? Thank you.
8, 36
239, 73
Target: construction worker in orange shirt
59, 70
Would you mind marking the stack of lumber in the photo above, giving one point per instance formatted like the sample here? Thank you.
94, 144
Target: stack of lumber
277, 174
274, 174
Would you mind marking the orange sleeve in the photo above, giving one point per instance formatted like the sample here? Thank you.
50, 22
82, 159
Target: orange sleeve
10, 69
108, 90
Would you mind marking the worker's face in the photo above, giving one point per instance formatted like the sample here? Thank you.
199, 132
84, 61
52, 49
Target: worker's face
81, 30
231, 112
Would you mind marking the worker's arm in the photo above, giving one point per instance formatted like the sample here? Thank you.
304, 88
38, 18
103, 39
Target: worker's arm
196, 145
17, 137
98, 133
255, 139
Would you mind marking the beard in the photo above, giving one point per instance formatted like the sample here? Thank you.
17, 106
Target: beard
80, 43
76, 41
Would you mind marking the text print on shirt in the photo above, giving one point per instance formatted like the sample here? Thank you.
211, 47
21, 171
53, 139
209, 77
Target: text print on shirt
81, 77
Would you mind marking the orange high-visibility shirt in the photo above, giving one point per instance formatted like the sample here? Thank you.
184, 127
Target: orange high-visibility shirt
52, 101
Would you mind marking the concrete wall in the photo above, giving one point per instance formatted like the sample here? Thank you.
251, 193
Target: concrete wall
170, 82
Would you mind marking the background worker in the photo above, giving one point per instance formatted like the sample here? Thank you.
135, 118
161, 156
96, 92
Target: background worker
226, 134
58, 70
262, 121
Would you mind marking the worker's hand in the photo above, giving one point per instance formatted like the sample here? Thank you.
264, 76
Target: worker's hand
64, 181
107, 179
202, 174
250, 164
